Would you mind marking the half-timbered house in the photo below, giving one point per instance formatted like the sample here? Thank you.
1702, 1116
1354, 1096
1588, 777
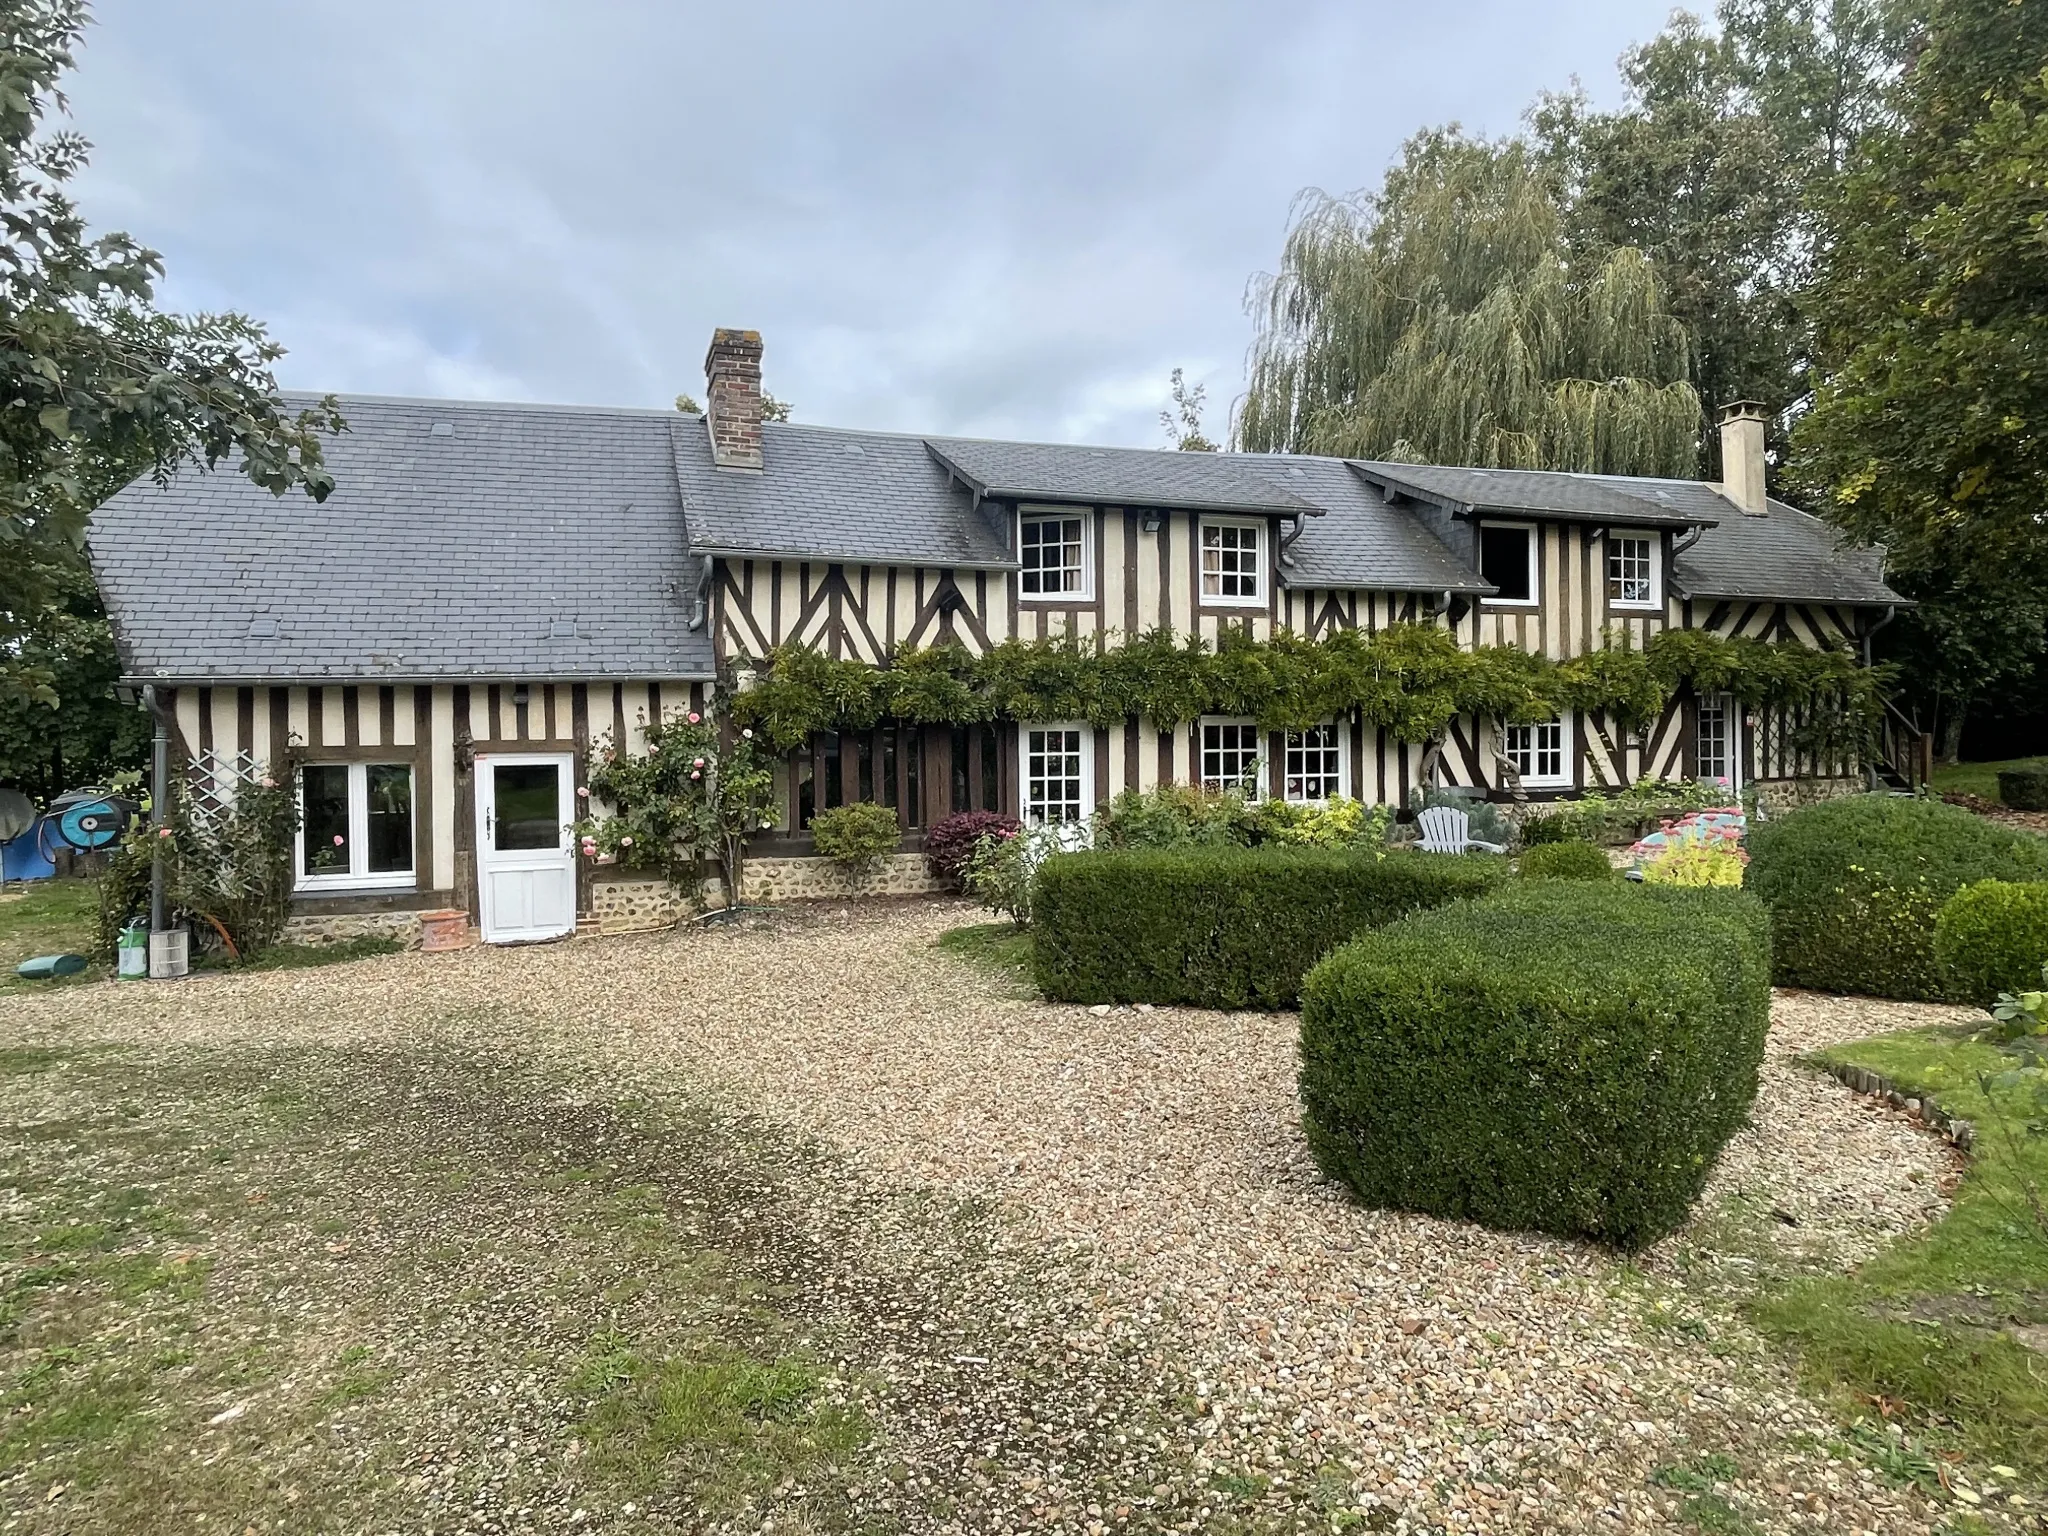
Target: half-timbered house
493, 590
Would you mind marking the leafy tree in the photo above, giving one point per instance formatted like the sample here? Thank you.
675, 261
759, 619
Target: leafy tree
1182, 422
1926, 431
1443, 320
96, 386
85, 736
1728, 140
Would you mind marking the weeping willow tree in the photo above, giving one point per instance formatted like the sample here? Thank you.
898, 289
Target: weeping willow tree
1439, 321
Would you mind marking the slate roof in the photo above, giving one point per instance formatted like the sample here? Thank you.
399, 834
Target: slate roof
1552, 494
469, 540
1360, 541
827, 494
1120, 477
525, 541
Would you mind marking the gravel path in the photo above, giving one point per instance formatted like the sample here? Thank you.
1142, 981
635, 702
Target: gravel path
1428, 1374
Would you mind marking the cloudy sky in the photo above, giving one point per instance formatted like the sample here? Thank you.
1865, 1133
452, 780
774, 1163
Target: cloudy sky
943, 215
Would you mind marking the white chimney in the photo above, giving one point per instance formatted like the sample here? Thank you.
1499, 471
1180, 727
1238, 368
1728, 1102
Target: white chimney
732, 406
1742, 456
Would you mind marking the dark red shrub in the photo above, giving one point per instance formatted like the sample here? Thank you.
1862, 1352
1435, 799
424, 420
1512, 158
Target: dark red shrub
950, 841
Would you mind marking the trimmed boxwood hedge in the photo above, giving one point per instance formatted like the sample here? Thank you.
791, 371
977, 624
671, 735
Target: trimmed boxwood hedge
1222, 927
1565, 861
1559, 1057
1992, 937
2024, 787
1854, 887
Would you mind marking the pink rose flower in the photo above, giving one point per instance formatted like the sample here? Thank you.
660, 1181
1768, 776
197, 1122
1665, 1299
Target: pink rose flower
337, 839
699, 763
163, 831
583, 793
695, 774
695, 717
269, 782
625, 842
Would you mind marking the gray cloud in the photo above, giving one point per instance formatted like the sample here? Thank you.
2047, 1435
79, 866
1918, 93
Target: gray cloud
951, 217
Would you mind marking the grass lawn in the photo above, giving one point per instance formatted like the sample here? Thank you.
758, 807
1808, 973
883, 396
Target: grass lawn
1980, 779
308, 1288
1930, 1331
58, 917
47, 917
1003, 949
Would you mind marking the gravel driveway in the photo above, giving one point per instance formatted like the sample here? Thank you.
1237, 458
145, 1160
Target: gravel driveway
1323, 1364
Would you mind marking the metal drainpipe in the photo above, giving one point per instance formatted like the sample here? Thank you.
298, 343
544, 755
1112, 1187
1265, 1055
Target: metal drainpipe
159, 798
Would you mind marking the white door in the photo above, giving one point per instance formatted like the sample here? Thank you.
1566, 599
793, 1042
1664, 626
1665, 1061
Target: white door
526, 859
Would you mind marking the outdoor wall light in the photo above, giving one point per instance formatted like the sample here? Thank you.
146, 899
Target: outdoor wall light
520, 695
1151, 522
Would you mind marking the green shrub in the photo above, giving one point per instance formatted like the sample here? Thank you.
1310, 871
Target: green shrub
1222, 927
1992, 937
1854, 887
1173, 816
1565, 861
2024, 787
1558, 1057
856, 837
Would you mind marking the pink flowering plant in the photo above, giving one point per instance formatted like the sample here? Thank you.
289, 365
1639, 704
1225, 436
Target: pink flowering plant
687, 800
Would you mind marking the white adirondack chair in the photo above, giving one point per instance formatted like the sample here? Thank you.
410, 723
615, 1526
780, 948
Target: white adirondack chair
1446, 829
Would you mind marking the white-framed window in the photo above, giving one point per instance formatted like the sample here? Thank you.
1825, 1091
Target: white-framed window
355, 826
1058, 772
1507, 559
1230, 756
1314, 765
1715, 742
1052, 549
1632, 569
1233, 563
1541, 752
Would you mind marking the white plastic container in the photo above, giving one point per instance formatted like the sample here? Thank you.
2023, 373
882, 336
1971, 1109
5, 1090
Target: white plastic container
169, 954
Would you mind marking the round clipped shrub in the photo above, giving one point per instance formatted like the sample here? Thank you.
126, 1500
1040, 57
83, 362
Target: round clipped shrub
952, 840
1992, 937
1565, 1059
856, 837
2024, 787
1854, 887
1565, 861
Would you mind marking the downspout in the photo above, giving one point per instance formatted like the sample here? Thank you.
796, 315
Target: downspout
700, 600
1300, 522
1680, 546
159, 806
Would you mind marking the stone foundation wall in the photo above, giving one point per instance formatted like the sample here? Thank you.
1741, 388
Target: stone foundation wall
1777, 796
330, 928
624, 906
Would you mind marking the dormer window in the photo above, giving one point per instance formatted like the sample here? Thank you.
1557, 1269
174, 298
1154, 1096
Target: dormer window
1507, 559
1632, 569
1233, 567
1052, 548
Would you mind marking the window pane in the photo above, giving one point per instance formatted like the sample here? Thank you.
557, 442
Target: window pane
324, 789
1051, 555
389, 786
1314, 767
1052, 776
1504, 561
1713, 738
1628, 571
1230, 561
1230, 757
526, 805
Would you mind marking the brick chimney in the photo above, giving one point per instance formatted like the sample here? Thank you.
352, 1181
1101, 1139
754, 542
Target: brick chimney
732, 409
1742, 456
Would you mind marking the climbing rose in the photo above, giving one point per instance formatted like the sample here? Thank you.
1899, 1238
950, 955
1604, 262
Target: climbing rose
695, 717
269, 782
699, 763
625, 842
337, 839
583, 793
695, 774
163, 831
